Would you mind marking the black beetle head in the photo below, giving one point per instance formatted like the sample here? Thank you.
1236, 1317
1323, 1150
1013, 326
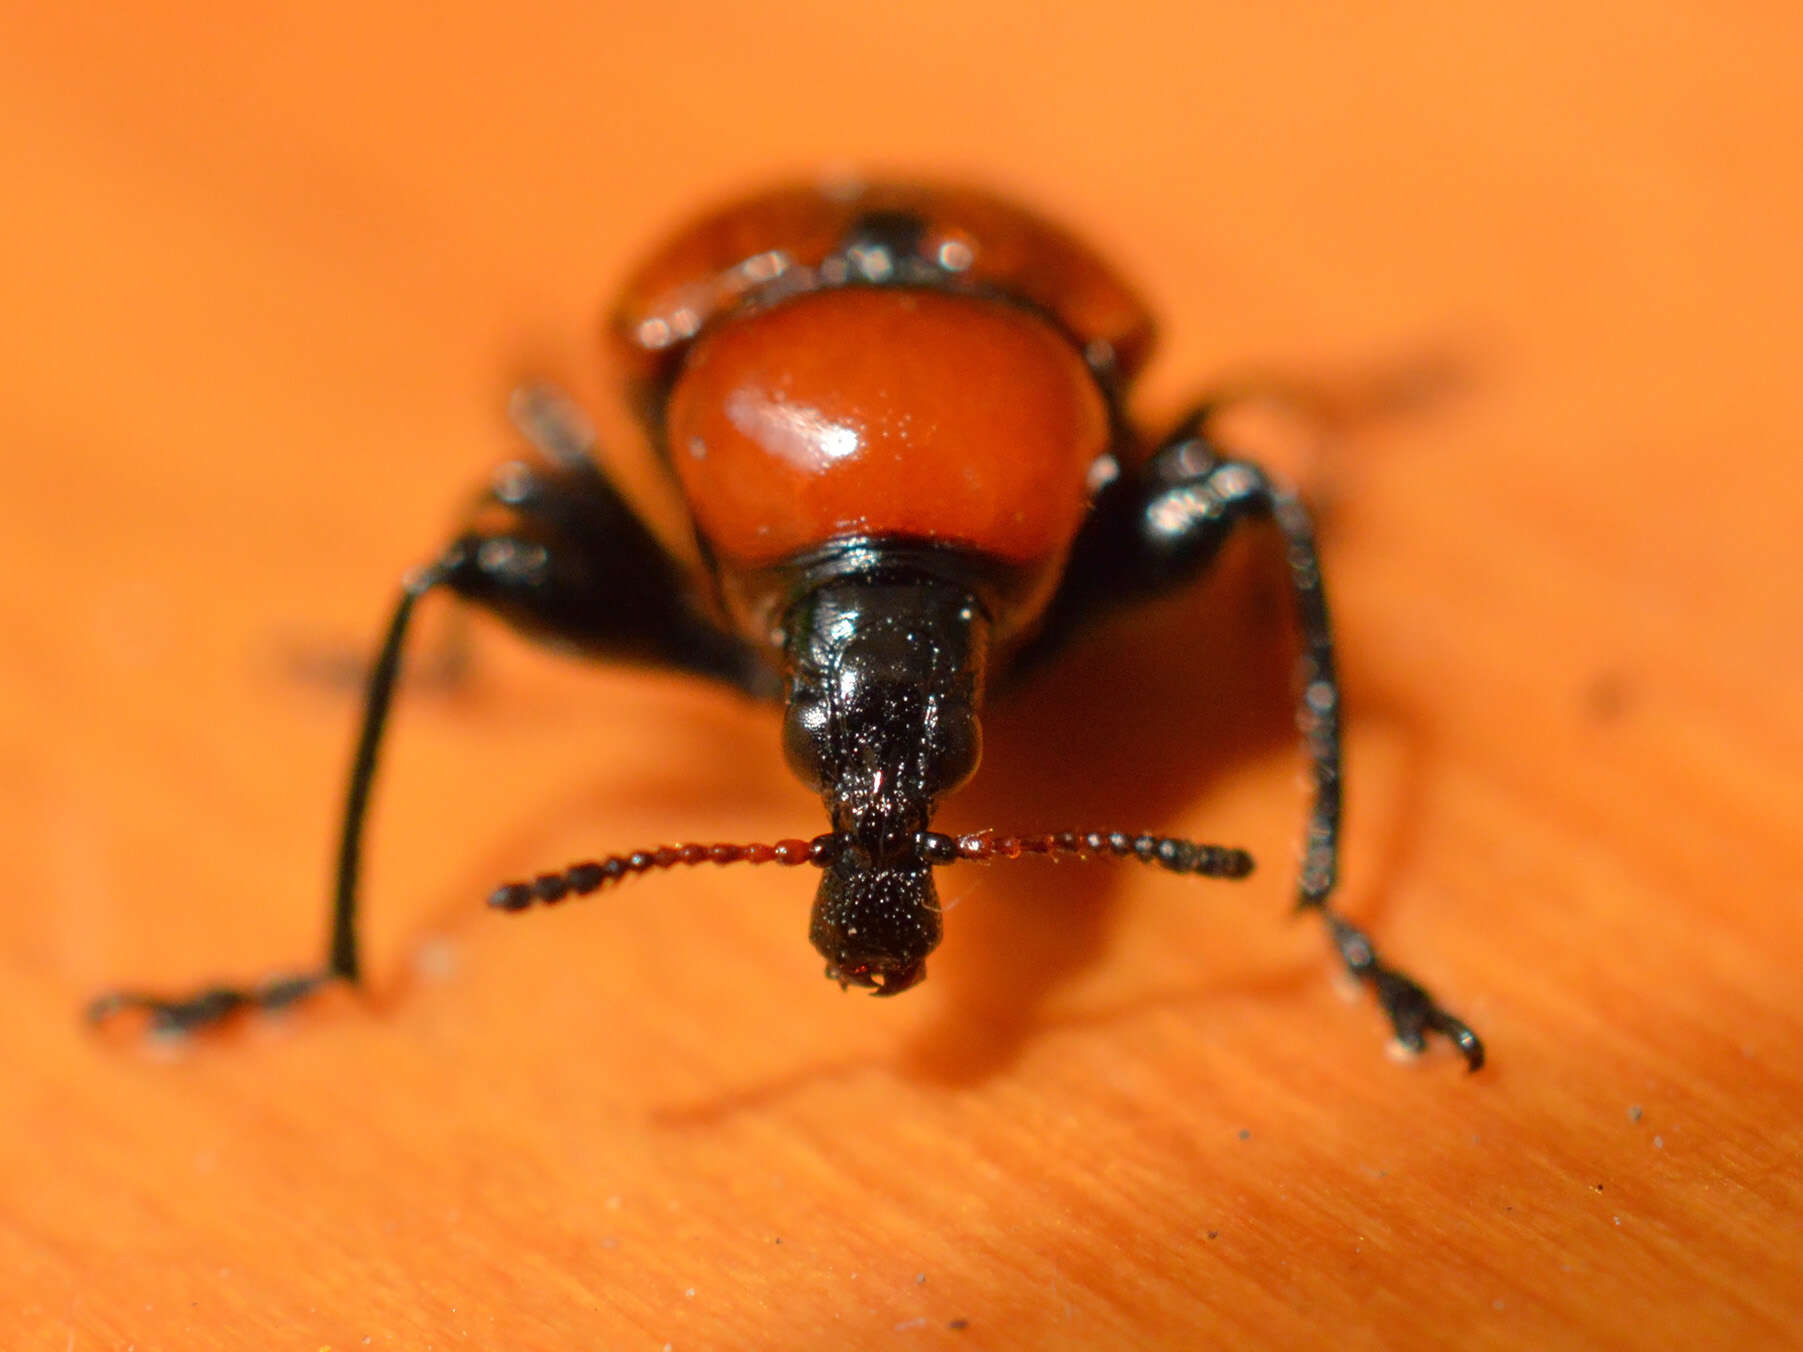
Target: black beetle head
884, 690
876, 926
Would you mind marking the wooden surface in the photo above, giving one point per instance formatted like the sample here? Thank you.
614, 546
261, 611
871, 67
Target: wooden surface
267, 280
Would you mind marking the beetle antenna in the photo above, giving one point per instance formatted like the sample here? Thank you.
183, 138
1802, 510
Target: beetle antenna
581, 879
982, 847
1170, 852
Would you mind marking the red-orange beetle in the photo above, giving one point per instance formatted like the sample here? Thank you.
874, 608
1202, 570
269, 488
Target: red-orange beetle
893, 420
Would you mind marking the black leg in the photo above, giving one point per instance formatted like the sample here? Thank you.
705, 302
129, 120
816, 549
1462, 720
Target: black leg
181, 1013
1162, 526
554, 549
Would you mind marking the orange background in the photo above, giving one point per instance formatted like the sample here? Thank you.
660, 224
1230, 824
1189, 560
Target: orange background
267, 280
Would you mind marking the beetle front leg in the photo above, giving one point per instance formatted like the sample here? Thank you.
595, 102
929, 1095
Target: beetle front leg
176, 1014
555, 550
1161, 527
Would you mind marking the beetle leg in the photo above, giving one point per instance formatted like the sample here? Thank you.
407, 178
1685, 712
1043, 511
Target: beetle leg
555, 550
1161, 527
176, 1014
556, 428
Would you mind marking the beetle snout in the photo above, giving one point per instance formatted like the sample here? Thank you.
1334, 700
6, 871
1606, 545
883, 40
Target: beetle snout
875, 926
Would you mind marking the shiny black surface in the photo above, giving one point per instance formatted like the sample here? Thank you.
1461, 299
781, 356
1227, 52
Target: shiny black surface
885, 681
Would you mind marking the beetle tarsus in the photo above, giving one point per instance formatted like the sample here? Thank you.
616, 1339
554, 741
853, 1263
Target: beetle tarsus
210, 1006
1412, 1012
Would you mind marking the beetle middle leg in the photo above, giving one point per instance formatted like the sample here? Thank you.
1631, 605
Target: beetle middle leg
1160, 526
553, 548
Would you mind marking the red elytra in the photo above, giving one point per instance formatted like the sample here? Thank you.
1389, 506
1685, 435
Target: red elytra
984, 240
880, 412
791, 405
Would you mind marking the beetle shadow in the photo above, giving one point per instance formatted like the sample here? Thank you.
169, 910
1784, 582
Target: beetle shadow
1128, 726
716, 1108
711, 731
1121, 732
1125, 730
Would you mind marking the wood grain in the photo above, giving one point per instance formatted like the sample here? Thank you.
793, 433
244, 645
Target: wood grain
268, 279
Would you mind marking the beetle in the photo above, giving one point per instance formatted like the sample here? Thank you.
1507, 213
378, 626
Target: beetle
888, 454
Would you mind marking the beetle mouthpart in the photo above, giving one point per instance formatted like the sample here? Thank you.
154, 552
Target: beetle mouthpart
882, 980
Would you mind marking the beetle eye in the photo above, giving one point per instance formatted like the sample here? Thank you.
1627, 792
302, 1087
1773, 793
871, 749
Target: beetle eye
953, 749
805, 741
